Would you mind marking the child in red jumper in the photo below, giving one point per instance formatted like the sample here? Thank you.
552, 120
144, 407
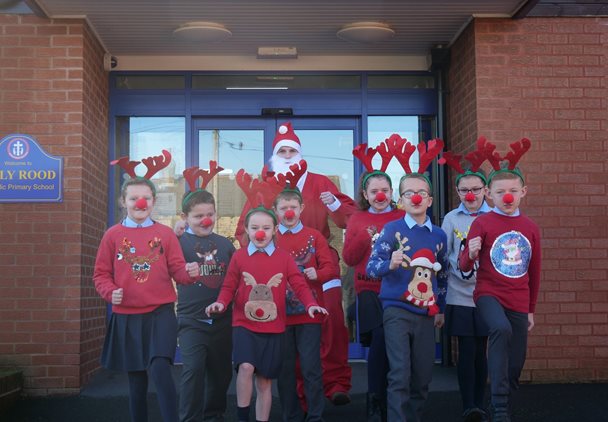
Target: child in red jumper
377, 209
135, 263
257, 280
507, 245
303, 336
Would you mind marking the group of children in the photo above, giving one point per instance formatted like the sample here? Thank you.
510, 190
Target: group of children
260, 308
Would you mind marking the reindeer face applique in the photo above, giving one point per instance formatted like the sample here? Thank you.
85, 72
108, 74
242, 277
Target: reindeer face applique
261, 307
140, 264
210, 268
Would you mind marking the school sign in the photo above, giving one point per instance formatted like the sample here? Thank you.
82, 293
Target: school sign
27, 172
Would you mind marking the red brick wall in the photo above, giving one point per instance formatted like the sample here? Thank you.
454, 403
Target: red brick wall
52, 87
546, 79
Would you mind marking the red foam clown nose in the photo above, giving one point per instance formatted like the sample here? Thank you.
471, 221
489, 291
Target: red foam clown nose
206, 222
260, 235
508, 198
141, 203
290, 214
469, 197
416, 199
380, 197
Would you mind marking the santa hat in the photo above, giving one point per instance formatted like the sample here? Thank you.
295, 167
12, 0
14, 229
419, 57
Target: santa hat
425, 258
286, 137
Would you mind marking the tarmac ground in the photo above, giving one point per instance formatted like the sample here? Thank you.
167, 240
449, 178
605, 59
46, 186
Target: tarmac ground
105, 399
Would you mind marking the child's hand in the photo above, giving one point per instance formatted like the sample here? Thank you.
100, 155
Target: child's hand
530, 321
396, 260
214, 308
439, 320
474, 248
311, 273
193, 269
327, 198
180, 227
117, 296
316, 310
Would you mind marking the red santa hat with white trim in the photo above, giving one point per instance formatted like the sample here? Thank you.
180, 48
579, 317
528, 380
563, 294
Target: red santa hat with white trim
286, 137
425, 258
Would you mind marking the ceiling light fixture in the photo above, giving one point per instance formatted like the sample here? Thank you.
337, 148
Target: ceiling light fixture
366, 32
202, 32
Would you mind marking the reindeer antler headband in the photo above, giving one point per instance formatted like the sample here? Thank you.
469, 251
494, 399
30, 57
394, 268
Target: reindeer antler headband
366, 155
260, 193
518, 149
154, 164
475, 159
192, 174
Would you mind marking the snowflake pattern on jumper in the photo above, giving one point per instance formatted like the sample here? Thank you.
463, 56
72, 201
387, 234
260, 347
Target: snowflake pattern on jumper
510, 254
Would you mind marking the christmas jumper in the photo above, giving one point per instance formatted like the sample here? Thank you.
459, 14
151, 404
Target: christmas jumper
142, 262
419, 284
213, 253
509, 260
358, 244
461, 284
309, 249
258, 285
316, 212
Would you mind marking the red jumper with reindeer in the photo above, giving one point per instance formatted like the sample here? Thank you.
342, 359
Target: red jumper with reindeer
257, 283
141, 261
510, 256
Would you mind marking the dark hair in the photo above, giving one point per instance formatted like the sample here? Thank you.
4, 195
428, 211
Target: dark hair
288, 195
363, 203
193, 198
135, 181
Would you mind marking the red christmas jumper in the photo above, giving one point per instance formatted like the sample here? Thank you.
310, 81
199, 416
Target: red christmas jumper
262, 267
309, 249
358, 245
141, 261
507, 243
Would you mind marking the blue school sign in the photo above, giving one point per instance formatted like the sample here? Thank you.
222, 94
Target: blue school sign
28, 173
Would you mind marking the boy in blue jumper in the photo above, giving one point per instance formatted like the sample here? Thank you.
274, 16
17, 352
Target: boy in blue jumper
410, 257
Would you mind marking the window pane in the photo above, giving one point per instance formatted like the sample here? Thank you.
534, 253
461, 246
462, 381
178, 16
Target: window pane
276, 81
233, 150
148, 136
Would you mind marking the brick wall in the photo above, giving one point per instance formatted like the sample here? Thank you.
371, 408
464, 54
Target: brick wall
52, 87
546, 79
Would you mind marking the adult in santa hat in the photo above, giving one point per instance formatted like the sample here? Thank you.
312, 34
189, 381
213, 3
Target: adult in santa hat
323, 200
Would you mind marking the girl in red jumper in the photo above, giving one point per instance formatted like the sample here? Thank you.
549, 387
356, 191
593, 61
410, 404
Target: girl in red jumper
377, 209
256, 280
135, 263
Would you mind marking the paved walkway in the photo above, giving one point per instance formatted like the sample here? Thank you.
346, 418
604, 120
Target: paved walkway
104, 399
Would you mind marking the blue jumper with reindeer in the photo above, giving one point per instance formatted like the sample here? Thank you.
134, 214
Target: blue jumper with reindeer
419, 284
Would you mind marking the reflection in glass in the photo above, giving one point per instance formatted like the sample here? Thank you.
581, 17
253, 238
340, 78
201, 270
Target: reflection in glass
233, 150
147, 136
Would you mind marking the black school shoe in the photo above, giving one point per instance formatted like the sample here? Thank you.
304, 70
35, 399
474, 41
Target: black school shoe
340, 398
474, 414
499, 413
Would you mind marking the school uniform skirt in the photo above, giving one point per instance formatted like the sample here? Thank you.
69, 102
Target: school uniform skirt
262, 350
464, 321
133, 340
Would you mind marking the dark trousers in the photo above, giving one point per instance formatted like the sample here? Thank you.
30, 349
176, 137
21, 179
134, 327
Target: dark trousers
160, 373
377, 363
206, 352
410, 347
302, 341
508, 339
472, 370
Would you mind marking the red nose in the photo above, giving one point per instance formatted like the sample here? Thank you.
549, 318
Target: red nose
260, 235
422, 288
206, 222
508, 198
380, 197
141, 203
416, 199
289, 214
469, 197
259, 312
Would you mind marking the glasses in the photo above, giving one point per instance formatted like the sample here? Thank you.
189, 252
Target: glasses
409, 193
475, 191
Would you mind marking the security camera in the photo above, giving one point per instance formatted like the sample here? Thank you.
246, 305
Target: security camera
109, 62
